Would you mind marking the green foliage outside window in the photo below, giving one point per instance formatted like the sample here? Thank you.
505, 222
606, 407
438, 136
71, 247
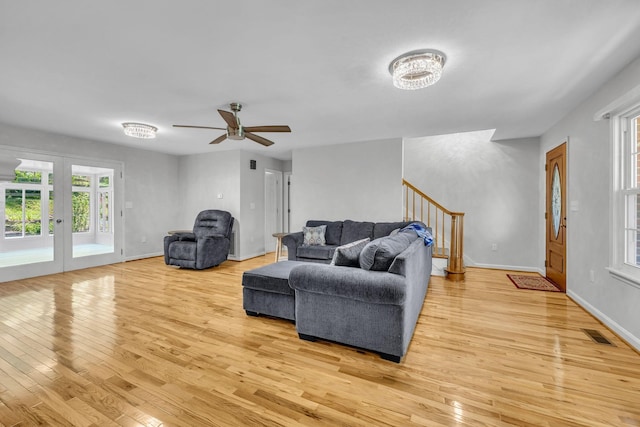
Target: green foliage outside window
23, 210
28, 176
80, 210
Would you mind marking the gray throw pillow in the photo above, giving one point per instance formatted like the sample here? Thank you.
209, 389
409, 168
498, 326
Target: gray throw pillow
348, 255
379, 254
314, 235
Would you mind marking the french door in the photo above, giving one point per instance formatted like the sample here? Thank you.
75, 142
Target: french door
59, 214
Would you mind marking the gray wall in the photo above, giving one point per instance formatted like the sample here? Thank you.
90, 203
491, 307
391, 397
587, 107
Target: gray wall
359, 181
494, 183
252, 238
205, 176
150, 182
589, 173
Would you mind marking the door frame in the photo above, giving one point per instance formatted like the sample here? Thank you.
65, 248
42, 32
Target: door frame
269, 240
551, 239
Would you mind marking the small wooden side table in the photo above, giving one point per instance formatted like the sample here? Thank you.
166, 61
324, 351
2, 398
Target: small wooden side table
279, 237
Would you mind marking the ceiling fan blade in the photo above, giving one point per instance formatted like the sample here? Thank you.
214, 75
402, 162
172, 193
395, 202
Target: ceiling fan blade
229, 118
196, 127
283, 128
258, 139
219, 139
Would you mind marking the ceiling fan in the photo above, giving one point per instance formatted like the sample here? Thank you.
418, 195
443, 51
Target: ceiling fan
236, 131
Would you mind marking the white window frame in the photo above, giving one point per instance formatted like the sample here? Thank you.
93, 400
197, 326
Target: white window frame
620, 113
44, 189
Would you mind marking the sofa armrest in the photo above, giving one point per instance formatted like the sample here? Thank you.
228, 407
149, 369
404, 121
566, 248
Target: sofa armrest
293, 241
379, 287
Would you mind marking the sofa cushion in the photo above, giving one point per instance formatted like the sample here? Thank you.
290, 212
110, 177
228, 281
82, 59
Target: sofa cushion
333, 232
348, 255
316, 251
271, 278
314, 235
379, 254
355, 230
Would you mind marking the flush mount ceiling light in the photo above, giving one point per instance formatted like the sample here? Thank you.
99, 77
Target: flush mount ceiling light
417, 69
139, 130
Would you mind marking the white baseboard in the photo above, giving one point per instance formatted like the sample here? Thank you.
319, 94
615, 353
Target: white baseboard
510, 267
631, 339
437, 266
143, 256
246, 257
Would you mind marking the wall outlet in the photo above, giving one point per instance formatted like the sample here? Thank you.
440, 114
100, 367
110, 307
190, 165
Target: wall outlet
143, 239
494, 246
592, 276
220, 195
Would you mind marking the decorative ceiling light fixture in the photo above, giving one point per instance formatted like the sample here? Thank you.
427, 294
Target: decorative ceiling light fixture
417, 69
139, 130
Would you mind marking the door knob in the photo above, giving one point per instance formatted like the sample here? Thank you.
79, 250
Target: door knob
58, 221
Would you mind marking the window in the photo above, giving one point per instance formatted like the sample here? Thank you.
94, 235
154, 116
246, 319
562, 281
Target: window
631, 188
625, 209
24, 200
81, 203
104, 206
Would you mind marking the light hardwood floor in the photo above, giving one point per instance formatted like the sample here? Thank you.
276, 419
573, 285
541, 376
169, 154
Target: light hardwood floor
141, 343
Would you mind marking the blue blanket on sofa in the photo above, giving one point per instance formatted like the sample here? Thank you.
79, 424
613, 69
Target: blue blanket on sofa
420, 231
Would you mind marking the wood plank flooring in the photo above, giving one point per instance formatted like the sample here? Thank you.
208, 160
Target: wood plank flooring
144, 344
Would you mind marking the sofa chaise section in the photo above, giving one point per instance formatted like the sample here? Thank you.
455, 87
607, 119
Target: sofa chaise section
373, 310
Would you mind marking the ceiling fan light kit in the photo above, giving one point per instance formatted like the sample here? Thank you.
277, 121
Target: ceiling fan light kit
236, 131
139, 130
417, 69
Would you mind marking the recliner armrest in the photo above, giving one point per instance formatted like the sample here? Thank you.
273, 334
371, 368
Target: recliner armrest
188, 237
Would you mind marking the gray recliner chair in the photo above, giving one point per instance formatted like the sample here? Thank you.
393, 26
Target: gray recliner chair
206, 247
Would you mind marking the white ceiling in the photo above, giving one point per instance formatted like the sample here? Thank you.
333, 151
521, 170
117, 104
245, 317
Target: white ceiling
81, 68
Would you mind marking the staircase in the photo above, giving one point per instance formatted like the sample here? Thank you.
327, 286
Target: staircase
420, 207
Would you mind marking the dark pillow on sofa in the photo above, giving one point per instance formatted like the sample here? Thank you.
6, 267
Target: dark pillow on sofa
333, 232
348, 255
355, 230
379, 254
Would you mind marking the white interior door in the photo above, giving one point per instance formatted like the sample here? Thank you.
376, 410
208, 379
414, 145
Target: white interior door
272, 207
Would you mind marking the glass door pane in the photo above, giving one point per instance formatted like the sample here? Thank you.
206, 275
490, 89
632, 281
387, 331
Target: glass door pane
27, 245
91, 188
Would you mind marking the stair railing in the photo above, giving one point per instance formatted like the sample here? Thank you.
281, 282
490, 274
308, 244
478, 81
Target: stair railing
419, 206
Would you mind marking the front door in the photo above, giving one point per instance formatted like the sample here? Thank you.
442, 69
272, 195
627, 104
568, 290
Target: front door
556, 216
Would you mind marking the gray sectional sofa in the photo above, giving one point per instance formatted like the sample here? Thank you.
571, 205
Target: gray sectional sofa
337, 233
371, 303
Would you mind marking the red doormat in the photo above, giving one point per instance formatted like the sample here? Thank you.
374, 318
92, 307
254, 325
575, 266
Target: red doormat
535, 283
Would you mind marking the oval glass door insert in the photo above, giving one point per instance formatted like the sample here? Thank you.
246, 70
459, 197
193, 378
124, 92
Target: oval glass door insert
556, 200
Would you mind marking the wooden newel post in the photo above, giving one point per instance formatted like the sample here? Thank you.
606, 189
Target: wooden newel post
455, 270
